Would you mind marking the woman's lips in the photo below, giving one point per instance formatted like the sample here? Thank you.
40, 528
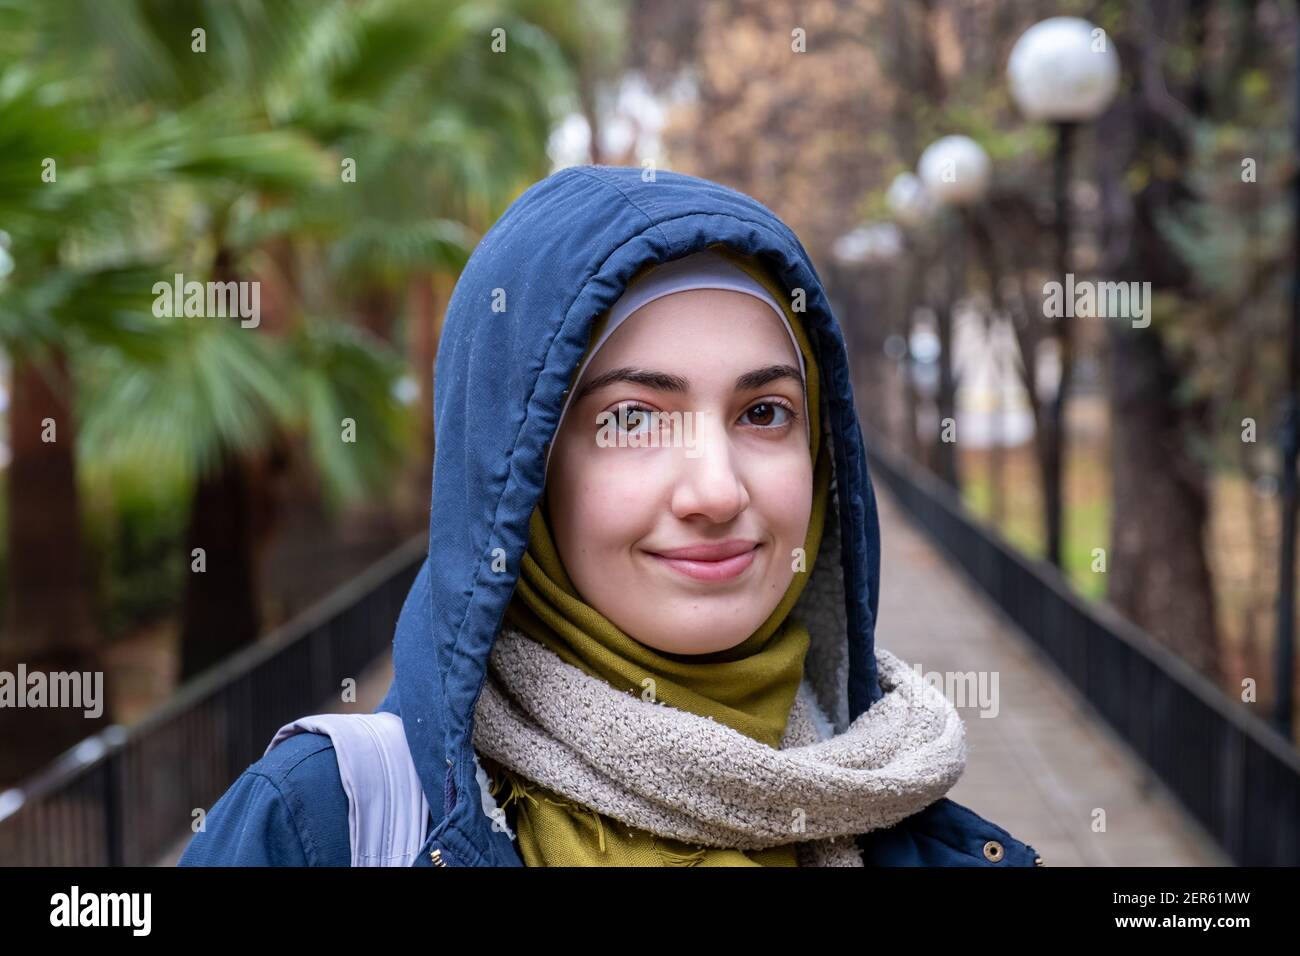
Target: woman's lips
721, 570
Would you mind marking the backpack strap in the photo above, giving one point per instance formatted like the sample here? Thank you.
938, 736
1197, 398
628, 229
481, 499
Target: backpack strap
388, 815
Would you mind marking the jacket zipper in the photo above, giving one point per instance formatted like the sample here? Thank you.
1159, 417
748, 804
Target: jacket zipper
436, 855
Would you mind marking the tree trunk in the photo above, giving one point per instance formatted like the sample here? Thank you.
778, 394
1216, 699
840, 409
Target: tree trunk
231, 519
1157, 573
219, 611
427, 296
49, 622
49, 605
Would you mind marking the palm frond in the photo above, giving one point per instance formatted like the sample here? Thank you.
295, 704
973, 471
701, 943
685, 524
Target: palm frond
357, 430
213, 387
386, 250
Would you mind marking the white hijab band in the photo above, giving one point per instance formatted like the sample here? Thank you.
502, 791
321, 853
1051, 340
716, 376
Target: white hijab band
700, 270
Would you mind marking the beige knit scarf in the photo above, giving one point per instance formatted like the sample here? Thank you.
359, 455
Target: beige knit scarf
688, 777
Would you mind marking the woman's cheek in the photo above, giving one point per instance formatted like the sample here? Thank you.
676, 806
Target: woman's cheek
778, 493
615, 513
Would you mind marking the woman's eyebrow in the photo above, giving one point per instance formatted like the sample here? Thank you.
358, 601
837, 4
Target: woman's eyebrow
665, 382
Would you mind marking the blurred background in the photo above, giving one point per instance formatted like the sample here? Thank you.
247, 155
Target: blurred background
1098, 506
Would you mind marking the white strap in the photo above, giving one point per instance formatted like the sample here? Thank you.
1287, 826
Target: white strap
388, 814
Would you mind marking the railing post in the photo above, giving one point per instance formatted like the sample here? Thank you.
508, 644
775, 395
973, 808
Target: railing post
113, 807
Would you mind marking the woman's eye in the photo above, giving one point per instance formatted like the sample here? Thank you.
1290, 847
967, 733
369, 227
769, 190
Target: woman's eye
763, 413
631, 419
636, 420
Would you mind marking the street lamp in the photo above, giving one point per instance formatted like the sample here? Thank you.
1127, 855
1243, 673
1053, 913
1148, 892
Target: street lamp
861, 257
954, 170
1063, 71
914, 209
872, 244
908, 201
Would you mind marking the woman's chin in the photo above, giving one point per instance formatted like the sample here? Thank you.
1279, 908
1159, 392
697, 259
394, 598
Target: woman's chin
691, 635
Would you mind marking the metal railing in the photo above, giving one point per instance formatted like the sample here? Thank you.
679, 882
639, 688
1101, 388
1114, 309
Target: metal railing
127, 795
1233, 772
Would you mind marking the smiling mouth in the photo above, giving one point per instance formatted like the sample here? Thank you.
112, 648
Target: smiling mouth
724, 569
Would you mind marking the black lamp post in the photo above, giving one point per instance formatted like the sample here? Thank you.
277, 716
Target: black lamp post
1064, 71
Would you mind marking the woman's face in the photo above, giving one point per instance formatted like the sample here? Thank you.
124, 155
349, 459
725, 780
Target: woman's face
725, 467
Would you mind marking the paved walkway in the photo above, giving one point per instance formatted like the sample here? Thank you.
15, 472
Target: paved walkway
1044, 764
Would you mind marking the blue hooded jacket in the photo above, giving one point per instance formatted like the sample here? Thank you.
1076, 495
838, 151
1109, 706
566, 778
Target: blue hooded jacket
516, 328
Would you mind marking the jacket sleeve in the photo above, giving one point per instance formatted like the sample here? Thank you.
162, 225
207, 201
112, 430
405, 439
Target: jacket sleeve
287, 809
946, 833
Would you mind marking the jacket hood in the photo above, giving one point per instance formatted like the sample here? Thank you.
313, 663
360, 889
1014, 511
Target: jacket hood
516, 328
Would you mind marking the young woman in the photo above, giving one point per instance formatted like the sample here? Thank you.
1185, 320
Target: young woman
644, 634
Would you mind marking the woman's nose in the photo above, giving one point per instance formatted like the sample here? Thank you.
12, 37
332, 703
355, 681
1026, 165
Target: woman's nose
708, 479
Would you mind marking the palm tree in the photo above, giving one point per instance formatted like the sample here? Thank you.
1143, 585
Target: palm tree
443, 131
84, 262
89, 239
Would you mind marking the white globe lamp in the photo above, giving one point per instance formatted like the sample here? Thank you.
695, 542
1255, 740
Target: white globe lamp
955, 170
